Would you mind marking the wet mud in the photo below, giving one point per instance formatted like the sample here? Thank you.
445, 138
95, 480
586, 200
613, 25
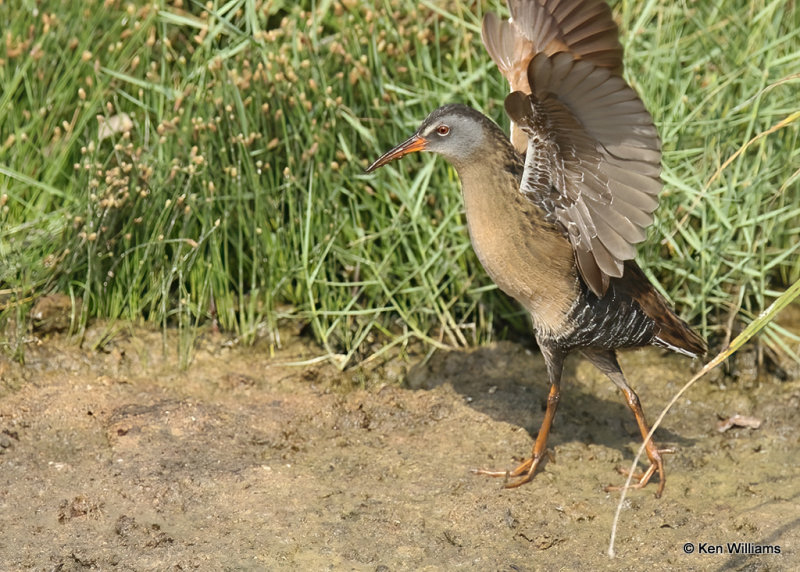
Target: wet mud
119, 460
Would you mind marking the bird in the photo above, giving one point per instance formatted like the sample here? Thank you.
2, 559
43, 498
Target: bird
555, 210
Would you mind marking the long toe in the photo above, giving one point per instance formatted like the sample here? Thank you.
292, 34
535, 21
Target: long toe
488, 473
523, 473
640, 480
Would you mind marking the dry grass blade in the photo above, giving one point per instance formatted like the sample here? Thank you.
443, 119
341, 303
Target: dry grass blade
752, 329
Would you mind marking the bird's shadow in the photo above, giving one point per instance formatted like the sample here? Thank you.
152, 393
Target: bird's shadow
508, 382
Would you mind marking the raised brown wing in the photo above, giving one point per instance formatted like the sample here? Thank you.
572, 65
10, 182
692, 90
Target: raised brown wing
593, 160
584, 28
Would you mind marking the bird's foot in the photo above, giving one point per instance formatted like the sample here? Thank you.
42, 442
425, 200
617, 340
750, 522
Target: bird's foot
522, 474
641, 479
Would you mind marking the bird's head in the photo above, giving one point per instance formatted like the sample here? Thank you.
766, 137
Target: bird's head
455, 131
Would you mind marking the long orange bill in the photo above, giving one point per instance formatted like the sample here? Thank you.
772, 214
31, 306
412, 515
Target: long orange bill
411, 145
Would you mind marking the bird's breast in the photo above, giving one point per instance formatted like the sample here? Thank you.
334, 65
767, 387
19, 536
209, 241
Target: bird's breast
527, 257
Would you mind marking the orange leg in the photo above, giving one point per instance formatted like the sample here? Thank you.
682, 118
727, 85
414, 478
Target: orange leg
528, 468
606, 361
525, 472
653, 452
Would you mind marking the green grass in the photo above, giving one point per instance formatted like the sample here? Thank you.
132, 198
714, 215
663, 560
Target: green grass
236, 191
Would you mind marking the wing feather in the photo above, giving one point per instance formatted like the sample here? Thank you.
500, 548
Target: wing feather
594, 154
584, 28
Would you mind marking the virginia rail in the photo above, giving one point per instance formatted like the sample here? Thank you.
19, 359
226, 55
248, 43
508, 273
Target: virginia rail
555, 212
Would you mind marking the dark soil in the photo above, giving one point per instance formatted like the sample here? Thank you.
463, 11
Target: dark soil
118, 460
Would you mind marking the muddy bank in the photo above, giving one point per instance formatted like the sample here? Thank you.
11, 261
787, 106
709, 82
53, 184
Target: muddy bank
119, 460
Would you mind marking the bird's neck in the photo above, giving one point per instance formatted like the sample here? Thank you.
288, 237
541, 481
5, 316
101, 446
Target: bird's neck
491, 179
496, 154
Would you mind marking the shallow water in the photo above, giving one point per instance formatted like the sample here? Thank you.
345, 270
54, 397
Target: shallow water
117, 459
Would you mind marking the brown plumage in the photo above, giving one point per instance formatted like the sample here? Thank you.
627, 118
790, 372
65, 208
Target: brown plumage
555, 220
583, 28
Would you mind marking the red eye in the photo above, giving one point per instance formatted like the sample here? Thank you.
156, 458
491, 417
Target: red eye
443, 130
